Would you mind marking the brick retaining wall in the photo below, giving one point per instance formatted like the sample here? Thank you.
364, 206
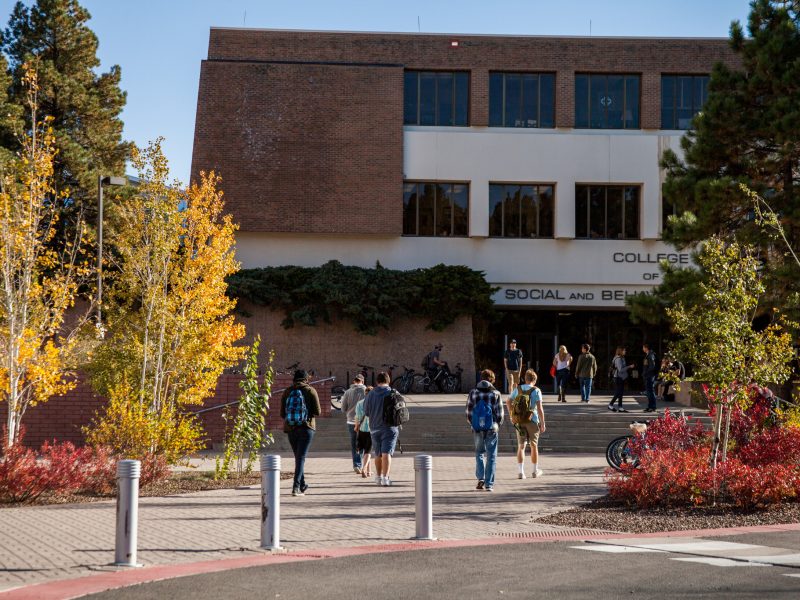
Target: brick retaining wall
62, 417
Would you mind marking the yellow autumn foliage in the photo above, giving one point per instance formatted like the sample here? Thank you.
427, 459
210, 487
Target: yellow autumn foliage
39, 275
171, 329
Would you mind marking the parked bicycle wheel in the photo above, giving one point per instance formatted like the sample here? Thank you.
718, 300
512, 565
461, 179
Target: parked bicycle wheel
451, 384
337, 392
419, 384
618, 453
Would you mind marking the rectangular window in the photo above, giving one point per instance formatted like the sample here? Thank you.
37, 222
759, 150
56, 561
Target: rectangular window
434, 209
607, 101
436, 98
682, 97
520, 210
607, 212
521, 99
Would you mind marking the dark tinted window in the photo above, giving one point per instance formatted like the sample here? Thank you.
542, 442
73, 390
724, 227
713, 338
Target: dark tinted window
682, 97
607, 101
436, 98
520, 210
521, 99
436, 209
607, 211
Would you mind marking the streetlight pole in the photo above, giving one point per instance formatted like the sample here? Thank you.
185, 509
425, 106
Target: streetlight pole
100, 181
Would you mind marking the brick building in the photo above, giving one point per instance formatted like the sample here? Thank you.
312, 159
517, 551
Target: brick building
533, 159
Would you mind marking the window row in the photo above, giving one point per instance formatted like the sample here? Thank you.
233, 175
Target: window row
436, 209
602, 100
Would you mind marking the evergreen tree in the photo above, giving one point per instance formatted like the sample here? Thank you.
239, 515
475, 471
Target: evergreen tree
85, 106
747, 133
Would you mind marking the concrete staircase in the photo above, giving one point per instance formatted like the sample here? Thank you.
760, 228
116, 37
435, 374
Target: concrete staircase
438, 425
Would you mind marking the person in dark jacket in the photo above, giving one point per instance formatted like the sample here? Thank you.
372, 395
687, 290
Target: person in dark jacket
650, 372
300, 436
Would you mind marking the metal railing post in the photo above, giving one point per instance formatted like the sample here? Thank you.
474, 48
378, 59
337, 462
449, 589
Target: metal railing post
423, 491
128, 472
270, 502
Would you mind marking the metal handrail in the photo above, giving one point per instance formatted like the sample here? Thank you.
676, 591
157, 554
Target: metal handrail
209, 409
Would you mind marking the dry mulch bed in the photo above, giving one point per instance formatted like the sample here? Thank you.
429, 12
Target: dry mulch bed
604, 513
177, 483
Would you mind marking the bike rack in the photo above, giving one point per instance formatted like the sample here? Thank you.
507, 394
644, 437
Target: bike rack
272, 393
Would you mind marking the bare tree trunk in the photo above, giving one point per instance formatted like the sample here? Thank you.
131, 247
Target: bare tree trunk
727, 434
717, 435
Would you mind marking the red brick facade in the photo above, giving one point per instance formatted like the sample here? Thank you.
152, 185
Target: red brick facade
306, 127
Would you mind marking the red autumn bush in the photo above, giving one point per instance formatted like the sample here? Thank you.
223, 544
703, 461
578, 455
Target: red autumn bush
61, 469
762, 467
778, 445
664, 477
755, 486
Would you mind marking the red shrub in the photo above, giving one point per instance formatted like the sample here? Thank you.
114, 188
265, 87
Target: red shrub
58, 468
665, 477
778, 445
751, 486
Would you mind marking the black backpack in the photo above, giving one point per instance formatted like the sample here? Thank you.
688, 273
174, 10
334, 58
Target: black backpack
395, 411
426, 360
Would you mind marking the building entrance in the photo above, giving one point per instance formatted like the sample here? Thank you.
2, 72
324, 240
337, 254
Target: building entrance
539, 333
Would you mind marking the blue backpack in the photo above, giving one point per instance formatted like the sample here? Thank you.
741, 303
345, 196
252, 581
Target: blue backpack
482, 417
296, 411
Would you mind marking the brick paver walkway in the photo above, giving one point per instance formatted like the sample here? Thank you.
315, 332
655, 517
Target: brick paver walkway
340, 509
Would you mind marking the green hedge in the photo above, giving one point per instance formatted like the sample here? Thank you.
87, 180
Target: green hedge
370, 298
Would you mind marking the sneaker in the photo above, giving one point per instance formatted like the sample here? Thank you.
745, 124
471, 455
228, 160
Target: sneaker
480, 485
537, 473
297, 492
521, 476
620, 409
386, 482
489, 489
357, 470
379, 479
611, 407
304, 488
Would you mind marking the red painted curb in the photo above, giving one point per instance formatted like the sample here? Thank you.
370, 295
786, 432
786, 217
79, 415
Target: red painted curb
66, 589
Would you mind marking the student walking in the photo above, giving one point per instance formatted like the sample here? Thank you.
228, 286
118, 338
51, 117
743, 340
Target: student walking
299, 406
585, 370
354, 394
619, 371
384, 436
561, 362
364, 440
527, 415
650, 372
485, 415
512, 363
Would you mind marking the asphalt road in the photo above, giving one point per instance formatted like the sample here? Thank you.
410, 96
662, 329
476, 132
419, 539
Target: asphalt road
573, 570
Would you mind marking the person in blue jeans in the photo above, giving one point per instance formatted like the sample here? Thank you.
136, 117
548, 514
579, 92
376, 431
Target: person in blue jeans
650, 372
485, 439
301, 436
354, 394
585, 370
561, 362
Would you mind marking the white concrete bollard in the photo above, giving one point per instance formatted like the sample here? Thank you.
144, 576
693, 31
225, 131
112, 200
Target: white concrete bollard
423, 490
270, 502
128, 472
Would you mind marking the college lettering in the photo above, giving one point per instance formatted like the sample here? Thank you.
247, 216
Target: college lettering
648, 258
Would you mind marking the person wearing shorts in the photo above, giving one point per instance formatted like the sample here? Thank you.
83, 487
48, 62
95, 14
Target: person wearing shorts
528, 431
384, 437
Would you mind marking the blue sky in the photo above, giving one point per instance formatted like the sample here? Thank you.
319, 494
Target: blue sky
159, 43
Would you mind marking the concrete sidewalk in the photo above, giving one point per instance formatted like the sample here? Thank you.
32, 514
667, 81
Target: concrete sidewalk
341, 509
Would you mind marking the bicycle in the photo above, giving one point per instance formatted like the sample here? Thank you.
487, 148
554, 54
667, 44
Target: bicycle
442, 379
403, 383
619, 452
452, 383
